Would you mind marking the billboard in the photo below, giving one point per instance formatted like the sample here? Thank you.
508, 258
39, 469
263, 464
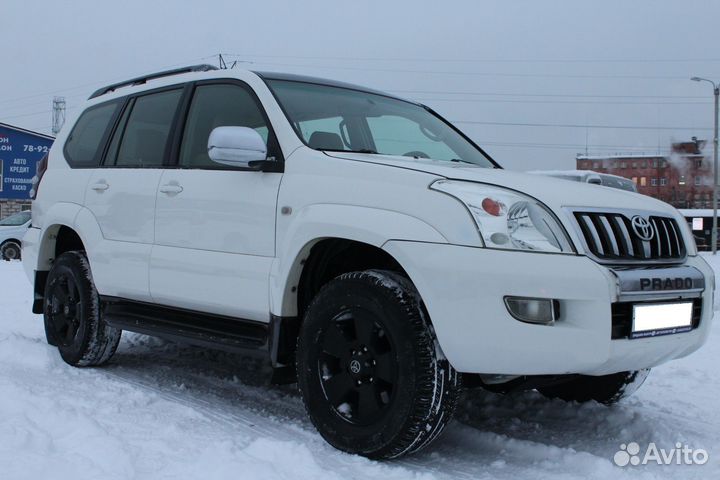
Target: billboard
20, 151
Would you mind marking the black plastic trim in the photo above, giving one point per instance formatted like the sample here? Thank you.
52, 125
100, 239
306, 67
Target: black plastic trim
187, 326
39, 291
153, 76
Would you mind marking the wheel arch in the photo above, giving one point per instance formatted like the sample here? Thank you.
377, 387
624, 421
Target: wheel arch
319, 224
57, 239
10, 240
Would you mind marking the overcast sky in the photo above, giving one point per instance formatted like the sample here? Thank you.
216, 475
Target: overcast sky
501, 70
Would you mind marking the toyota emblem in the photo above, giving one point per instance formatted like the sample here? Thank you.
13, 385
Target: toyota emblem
355, 367
642, 228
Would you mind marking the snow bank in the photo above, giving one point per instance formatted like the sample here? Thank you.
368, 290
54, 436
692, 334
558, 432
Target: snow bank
160, 410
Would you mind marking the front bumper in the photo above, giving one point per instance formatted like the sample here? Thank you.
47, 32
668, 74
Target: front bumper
463, 289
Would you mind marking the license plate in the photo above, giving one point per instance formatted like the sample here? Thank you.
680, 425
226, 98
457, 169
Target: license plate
661, 319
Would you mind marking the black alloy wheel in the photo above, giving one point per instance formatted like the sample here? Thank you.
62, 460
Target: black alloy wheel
63, 308
357, 366
72, 313
371, 374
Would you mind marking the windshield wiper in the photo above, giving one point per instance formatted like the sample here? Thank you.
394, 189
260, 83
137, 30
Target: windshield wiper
457, 160
359, 150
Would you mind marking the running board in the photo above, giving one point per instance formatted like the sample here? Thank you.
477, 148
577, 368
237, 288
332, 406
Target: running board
187, 326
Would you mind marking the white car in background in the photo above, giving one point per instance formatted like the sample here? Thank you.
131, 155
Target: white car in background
588, 176
12, 229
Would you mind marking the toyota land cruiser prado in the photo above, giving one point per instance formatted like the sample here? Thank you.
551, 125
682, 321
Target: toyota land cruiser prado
364, 245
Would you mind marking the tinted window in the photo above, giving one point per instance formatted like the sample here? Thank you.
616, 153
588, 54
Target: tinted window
370, 123
397, 135
142, 133
218, 106
81, 147
15, 220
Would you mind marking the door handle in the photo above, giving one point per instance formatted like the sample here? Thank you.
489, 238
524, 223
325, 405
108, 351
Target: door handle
100, 186
171, 189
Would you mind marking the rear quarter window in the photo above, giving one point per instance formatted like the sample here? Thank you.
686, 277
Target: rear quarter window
88, 135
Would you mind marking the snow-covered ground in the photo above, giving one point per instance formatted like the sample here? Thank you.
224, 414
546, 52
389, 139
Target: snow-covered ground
161, 410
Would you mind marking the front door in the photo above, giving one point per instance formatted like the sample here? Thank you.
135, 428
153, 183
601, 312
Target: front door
215, 225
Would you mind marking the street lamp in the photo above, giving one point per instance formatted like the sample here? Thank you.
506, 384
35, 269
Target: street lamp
716, 91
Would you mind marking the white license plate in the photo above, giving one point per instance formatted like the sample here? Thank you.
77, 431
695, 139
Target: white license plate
661, 319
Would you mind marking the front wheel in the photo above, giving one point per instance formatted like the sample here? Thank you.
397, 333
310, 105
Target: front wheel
73, 321
607, 389
371, 375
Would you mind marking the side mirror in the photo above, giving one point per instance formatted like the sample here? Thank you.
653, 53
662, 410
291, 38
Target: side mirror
236, 146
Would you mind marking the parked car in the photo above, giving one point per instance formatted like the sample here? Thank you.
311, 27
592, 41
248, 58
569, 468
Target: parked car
12, 229
588, 176
362, 244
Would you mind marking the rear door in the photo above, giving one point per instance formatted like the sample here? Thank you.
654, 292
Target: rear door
215, 225
121, 193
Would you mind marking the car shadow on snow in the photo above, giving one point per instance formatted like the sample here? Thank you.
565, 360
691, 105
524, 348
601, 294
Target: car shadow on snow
489, 427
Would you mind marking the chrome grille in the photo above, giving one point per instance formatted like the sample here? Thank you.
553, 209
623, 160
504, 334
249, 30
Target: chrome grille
610, 237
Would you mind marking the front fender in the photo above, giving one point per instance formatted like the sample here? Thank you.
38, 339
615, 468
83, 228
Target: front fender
298, 234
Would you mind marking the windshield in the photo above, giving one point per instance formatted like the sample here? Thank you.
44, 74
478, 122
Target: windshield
15, 220
345, 120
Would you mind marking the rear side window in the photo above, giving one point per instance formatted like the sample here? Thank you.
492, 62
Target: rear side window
142, 134
86, 137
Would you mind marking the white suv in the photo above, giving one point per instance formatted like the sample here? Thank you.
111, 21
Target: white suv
362, 244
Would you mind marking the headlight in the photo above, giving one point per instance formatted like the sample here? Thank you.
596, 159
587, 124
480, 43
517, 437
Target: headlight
507, 219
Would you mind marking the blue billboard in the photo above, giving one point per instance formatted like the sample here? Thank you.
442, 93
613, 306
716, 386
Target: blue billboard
20, 151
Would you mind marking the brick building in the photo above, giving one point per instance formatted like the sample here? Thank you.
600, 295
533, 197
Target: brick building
682, 179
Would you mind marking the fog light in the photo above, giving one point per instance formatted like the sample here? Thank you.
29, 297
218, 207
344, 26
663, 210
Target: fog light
542, 311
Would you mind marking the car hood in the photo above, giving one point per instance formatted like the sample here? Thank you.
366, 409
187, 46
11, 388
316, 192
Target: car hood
554, 192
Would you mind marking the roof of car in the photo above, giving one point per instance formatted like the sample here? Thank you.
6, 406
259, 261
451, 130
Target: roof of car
209, 70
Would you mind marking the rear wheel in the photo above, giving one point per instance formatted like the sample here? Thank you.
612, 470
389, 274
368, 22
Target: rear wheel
10, 251
607, 389
72, 313
373, 380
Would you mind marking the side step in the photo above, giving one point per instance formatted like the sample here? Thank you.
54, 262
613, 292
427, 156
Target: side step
187, 326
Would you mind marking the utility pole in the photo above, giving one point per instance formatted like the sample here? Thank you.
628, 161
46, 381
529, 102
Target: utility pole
716, 92
58, 114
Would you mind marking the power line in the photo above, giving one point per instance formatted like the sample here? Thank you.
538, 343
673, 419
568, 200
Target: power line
93, 84
27, 114
560, 102
573, 125
482, 74
506, 94
563, 146
478, 60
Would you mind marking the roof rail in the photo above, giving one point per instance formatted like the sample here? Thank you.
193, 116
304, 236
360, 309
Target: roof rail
140, 80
